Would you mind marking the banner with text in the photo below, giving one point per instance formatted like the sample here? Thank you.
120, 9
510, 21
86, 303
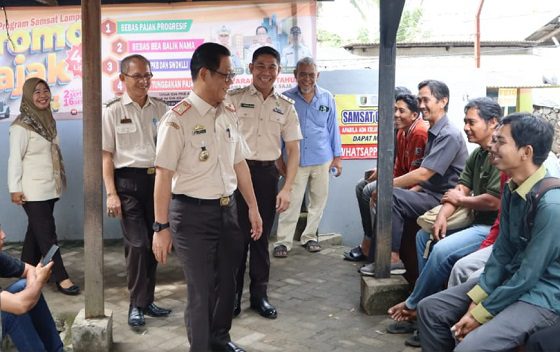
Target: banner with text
46, 42
358, 122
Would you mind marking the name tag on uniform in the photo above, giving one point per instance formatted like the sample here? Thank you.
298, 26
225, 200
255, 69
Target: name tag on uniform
199, 129
126, 120
324, 108
278, 111
245, 105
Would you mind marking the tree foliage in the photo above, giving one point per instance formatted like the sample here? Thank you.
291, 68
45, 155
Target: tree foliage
409, 26
327, 38
367, 15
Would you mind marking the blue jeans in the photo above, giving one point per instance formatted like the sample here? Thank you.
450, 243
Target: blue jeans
434, 271
34, 330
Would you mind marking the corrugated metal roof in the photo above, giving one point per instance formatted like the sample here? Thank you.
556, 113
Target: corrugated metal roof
444, 44
546, 32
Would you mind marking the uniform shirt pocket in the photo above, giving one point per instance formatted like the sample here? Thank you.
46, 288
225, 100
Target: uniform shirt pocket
278, 117
246, 112
126, 135
230, 135
319, 118
125, 128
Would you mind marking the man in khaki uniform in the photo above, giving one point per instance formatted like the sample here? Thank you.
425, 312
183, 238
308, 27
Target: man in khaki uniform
200, 161
266, 118
129, 151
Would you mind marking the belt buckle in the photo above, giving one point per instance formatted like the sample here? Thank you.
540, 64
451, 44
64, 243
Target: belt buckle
224, 201
151, 170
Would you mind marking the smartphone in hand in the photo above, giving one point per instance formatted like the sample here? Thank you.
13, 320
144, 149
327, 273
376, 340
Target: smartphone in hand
48, 257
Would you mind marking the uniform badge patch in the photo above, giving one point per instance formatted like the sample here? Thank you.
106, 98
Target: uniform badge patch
172, 124
204, 155
245, 105
277, 109
324, 108
198, 129
230, 107
181, 108
124, 119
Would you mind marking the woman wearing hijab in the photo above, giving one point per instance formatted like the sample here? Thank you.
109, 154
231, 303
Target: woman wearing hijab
36, 176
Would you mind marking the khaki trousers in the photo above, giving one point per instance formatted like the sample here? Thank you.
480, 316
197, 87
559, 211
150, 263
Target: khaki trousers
316, 180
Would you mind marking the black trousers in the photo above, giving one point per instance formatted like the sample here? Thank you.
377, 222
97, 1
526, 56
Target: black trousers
207, 240
136, 191
265, 184
407, 205
41, 235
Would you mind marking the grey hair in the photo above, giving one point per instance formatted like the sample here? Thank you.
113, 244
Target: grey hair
306, 61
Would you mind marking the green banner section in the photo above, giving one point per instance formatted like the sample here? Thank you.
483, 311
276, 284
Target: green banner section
161, 26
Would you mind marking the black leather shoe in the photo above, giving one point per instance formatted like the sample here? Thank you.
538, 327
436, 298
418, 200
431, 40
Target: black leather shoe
264, 308
73, 290
135, 317
237, 305
355, 255
232, 347
154, 311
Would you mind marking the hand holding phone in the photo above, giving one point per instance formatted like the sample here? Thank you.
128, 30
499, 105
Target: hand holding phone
48, 257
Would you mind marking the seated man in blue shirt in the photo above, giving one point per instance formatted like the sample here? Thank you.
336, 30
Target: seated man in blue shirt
25, 315
519, 291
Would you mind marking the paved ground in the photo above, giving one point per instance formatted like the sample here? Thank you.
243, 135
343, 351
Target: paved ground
317, 296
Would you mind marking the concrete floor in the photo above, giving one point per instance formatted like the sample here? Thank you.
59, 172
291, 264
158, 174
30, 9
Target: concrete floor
317, 297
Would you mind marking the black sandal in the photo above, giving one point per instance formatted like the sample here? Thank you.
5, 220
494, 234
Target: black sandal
312, 246
280, 251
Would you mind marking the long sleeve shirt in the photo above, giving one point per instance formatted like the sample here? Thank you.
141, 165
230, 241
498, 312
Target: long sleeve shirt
10, 266
319, 127
524, 265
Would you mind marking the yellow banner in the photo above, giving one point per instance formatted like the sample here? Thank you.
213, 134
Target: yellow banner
358, 123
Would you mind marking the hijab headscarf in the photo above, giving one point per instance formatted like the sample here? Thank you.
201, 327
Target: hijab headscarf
42, 123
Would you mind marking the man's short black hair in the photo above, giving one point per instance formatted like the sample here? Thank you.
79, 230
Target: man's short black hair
266, 50
487, 108
411, 102
125, 63
438, 89
207, 55
527, 129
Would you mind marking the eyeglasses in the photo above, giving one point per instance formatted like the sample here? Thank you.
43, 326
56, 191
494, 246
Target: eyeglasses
138, 77
228, 77
304, 75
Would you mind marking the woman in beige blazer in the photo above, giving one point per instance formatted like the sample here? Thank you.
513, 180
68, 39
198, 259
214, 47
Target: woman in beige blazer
36, 176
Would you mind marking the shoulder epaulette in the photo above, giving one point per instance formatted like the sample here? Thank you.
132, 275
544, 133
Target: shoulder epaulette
289, 100
236, 91
181, 108
112, 101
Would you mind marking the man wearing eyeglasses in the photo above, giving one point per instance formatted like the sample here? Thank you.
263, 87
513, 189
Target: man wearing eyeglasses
129, 151
200, 161
266, 120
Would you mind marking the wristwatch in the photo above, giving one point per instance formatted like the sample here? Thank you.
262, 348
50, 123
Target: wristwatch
157, 227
